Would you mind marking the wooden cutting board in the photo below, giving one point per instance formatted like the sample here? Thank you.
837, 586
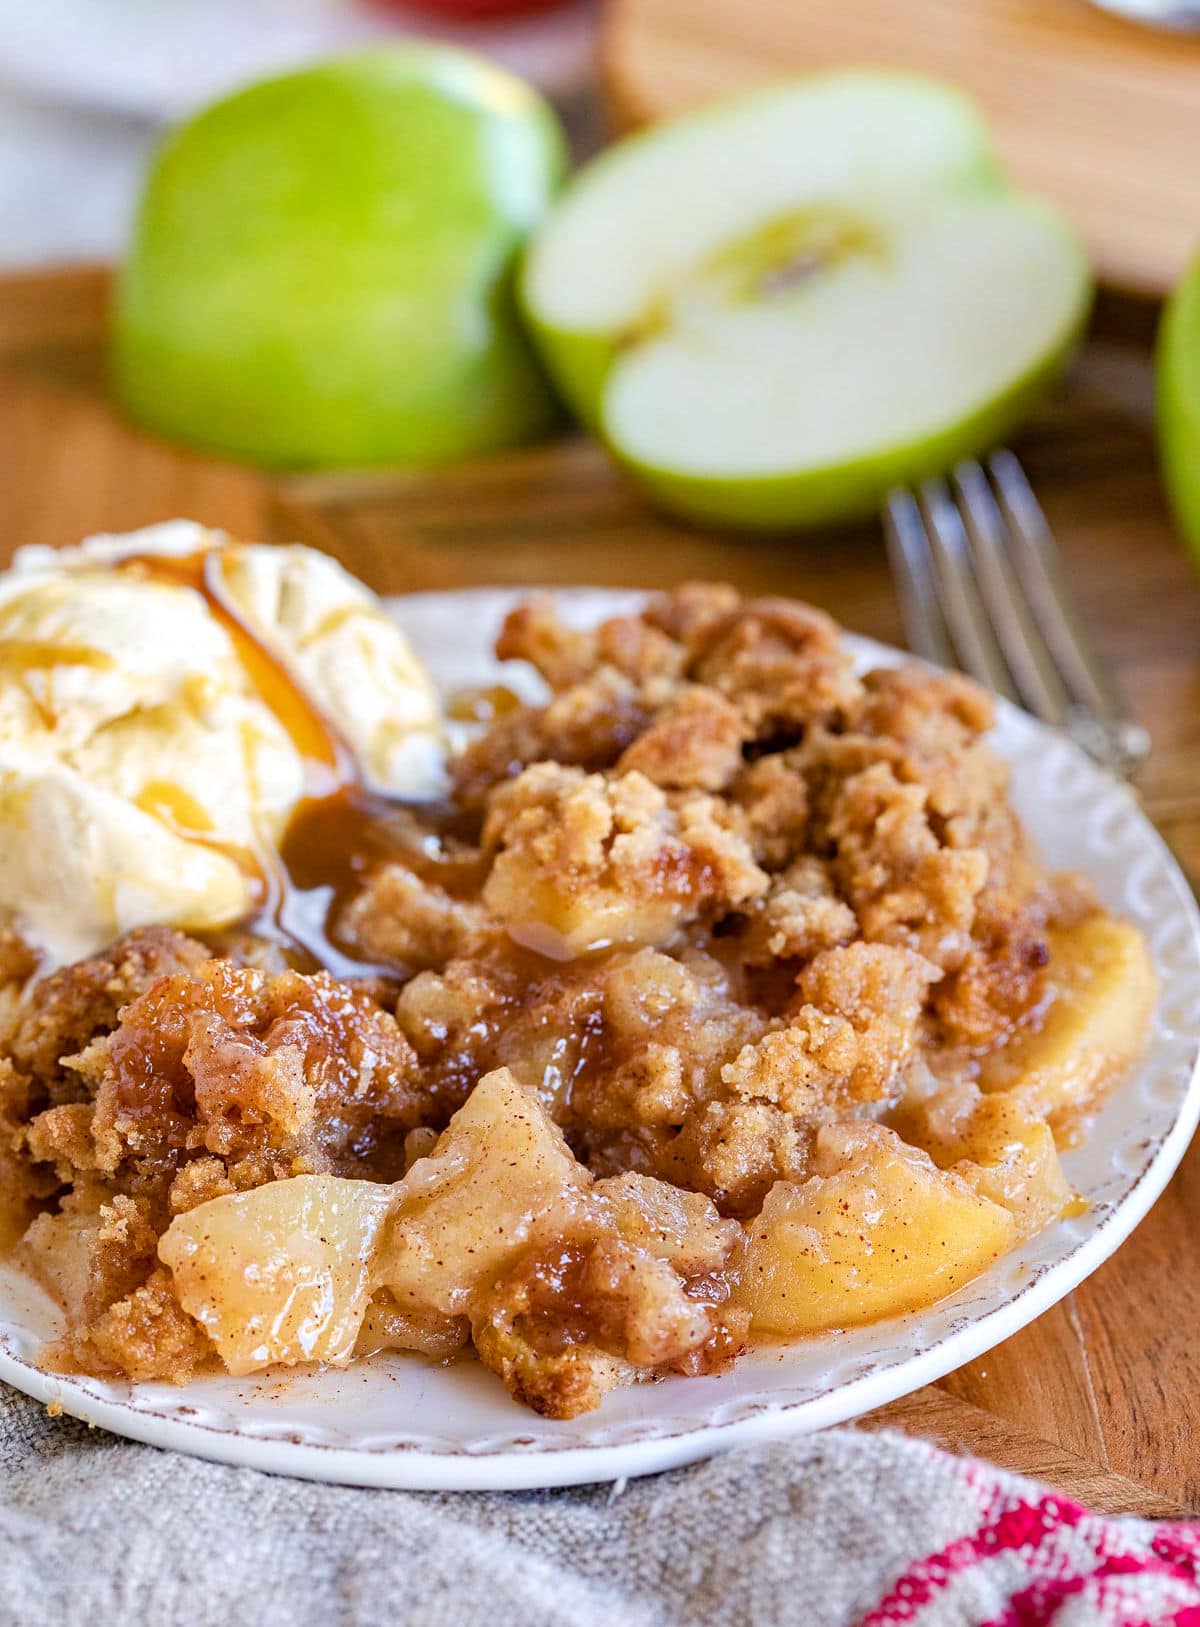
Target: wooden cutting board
1099, 1394
1095, 112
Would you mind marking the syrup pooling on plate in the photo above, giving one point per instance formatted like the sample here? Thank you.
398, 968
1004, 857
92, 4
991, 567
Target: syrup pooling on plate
340, 825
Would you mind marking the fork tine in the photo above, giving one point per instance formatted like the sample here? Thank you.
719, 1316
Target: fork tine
1017, 633
977, 649
912, 575
1087, 681
979, 579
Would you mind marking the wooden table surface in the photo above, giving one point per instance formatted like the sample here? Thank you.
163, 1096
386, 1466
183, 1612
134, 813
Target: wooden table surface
1086, 109
1100, 1395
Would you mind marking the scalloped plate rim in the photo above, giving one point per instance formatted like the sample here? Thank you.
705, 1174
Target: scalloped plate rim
516, 1459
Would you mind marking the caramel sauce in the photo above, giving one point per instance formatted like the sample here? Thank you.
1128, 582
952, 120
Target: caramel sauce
329, 762
171, 805
331, 843
340, 827
22, 655
15, 1216
23, 658
483, 705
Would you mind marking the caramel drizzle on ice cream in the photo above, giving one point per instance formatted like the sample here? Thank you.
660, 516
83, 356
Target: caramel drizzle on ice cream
329, 761
339, 825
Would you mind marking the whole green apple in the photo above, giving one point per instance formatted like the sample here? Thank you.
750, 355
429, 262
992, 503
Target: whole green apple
1179, 404
775, 309
321, 271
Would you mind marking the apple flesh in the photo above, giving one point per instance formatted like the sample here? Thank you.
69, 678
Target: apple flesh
1179, 405
321, 271
776, 309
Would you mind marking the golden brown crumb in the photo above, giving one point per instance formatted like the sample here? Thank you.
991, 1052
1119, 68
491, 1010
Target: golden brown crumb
563, 1326
710, 910
409, 921
588, 726
736, 1150
880, 992
534, 632
782, 663
772, 794
92, 1253
585, 861
147, 1335
212, 1079
693, 612
71, 1007
62, 1137
695, 743
299, 1072
199, 1181
800, 915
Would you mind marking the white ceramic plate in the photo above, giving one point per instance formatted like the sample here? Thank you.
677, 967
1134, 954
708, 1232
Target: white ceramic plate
400, 1421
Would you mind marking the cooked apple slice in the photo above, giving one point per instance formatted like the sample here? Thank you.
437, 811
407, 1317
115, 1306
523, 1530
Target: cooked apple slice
999, 1147
282, 1273
775, 309
1102, 993
876, 1230
499, 1175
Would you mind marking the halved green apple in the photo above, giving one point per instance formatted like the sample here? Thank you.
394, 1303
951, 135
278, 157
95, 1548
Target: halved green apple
774, 309
321, 270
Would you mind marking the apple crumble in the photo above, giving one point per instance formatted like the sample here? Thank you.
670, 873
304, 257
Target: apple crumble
722, 998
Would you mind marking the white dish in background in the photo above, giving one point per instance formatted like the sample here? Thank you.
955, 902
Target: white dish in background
401, 1421
1174, 16
151, 60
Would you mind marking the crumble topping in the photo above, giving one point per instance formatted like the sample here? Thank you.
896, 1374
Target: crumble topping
688, 1023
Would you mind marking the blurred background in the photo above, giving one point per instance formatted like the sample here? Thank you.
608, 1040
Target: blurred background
86, 85
1091, 106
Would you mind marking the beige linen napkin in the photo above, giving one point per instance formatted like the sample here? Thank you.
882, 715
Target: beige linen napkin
822, 1531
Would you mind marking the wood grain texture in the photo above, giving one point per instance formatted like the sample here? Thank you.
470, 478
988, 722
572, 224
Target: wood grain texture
1097, 114
1099, 1394
957, 1426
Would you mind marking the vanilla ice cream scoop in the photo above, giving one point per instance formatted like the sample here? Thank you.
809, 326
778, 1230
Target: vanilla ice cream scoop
146, 763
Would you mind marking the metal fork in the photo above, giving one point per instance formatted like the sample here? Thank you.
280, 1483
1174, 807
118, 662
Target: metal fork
981, 587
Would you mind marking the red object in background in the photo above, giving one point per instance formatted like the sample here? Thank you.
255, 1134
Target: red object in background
467, 10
